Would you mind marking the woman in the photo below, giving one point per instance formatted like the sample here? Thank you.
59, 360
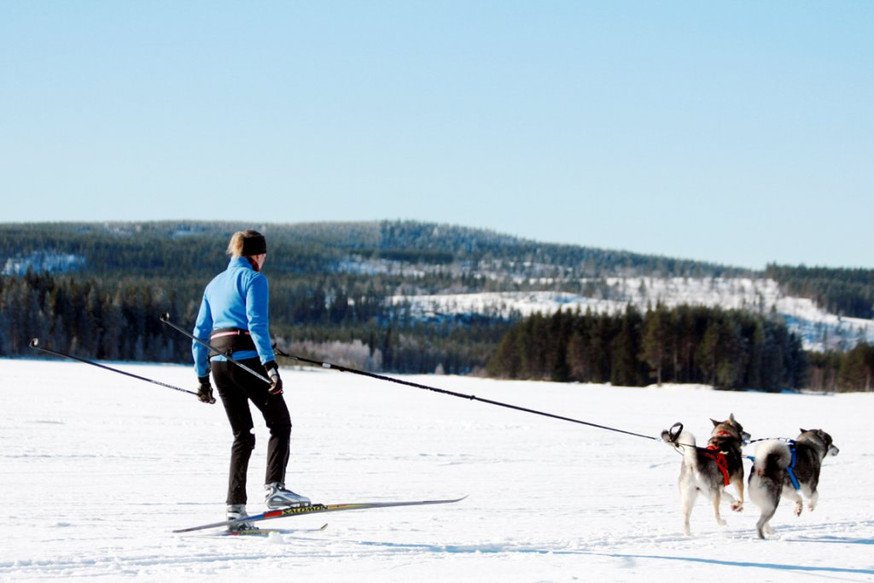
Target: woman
233, 320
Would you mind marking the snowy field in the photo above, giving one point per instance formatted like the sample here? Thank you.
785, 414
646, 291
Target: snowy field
97, 469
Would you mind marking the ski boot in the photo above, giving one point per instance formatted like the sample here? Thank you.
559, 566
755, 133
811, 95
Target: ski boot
277, 496
236, 512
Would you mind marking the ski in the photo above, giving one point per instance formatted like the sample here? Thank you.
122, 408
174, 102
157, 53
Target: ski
315, 509
265, 532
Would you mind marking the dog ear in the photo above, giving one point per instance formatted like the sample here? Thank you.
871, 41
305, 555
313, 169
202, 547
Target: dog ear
714, 421
803, 430
731, 417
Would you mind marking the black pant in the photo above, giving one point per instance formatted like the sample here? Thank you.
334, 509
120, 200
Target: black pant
236, 388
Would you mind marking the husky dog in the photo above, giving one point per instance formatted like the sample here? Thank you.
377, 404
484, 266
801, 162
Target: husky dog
788, 469
710, 470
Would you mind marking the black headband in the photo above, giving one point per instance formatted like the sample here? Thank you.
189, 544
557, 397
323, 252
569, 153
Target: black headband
254, 245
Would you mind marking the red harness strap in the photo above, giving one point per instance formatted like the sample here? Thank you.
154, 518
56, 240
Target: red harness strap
719, 457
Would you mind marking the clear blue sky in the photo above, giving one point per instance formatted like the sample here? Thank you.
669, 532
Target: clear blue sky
735, 132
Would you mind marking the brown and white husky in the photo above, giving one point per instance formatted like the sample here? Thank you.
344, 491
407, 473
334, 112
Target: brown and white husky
788, 469
709, 470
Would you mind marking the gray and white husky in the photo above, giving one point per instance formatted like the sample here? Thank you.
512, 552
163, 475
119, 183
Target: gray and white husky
788, 469
709, 470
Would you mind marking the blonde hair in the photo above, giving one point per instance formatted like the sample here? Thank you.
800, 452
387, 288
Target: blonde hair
247, 244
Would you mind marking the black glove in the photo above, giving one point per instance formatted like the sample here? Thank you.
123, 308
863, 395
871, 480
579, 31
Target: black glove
204, 391
275, 382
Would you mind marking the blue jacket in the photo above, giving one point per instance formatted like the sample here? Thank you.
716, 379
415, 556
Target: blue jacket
235, 298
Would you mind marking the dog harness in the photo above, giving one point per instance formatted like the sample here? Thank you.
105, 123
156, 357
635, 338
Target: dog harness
790, 470
717, 456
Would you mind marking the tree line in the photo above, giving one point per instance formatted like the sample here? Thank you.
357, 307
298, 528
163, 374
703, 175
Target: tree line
730, 349
120, 320
186, 248
846, 292
97, 290
429, 258
833, 371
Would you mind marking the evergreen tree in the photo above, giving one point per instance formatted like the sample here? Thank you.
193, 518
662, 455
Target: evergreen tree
856, 369
626, 348
657, 341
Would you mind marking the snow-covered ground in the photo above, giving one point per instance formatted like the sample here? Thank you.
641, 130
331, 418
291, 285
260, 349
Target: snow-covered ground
96, 469
818, 329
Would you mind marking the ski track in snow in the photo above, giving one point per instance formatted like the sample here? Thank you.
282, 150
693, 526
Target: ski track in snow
98, 468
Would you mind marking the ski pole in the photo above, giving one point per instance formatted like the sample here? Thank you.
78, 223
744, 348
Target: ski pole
460, 395
35, 344
165, 317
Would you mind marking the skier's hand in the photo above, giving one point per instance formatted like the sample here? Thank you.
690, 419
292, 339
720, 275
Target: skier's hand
204, 390
275, 381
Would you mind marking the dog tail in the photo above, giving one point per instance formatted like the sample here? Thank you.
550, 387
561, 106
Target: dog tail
683, 441
688, 447
772, 458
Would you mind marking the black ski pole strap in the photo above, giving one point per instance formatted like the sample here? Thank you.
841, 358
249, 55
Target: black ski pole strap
165, 317
460, 395
35, 345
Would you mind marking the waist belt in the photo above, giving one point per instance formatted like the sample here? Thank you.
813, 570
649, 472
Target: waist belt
226, 341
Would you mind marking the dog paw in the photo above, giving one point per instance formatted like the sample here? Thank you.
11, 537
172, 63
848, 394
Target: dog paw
737, 506
765, 532
798, 508
721, 521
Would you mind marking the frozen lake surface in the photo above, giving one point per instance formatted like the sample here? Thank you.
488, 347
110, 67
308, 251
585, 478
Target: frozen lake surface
97, 469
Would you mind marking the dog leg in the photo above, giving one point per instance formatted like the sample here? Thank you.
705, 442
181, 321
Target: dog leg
812, 500
765, 492
732, 501
717, 498
688, 494
738, 505
791, 494
763, 526
687, 501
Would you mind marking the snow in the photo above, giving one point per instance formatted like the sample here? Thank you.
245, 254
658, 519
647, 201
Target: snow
97, 468
49, 261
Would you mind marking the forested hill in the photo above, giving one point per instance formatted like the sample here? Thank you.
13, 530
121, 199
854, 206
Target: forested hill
849, 292
189, 248
348, 292
422, 257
